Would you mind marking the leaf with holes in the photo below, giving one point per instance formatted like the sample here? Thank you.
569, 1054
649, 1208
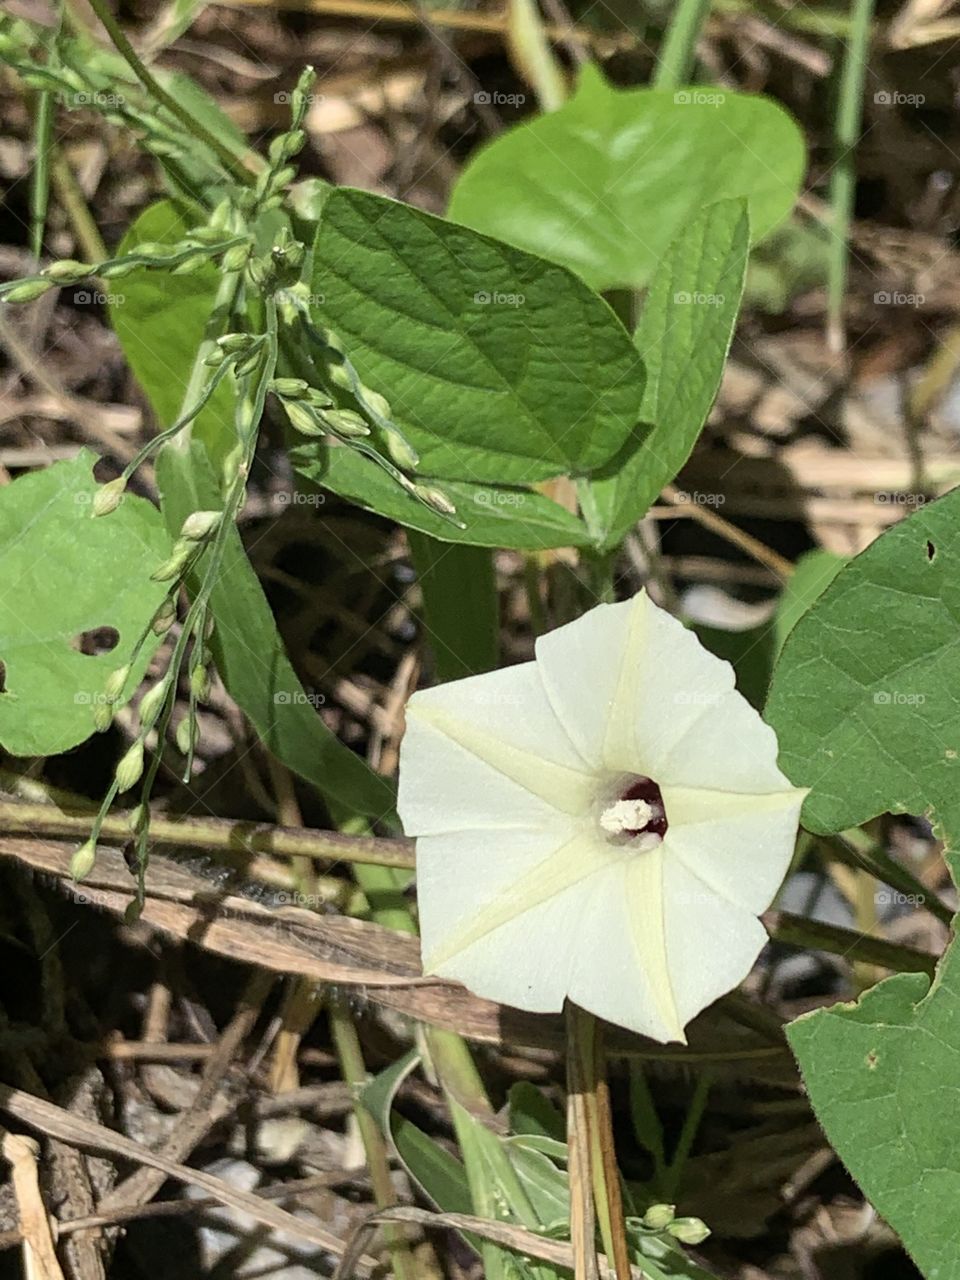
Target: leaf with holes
865, 698
866, 702
605, 184
70, 580
500, 367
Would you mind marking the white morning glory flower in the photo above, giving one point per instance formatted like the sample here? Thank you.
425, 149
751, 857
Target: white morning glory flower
604, 823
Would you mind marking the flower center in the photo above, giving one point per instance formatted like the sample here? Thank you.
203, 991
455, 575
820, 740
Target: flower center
637, 816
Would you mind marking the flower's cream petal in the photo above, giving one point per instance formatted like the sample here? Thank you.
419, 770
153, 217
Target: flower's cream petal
520, 947
444, 787
711, 942
574, 861
739, 845
580, 664
629, 682
622, 971
728, 748
504, 719
460, 872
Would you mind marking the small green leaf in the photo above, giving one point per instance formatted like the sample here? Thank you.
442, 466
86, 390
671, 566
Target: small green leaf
607, 182
498, 366
812, 575
66, 574
684, 336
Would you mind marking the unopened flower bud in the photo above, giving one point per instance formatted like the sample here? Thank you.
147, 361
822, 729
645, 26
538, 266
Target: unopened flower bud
151, 702
190, 265
175, 565
436, 499
235, 258
400, 451
199, 525
108, 496
68, 271
376, 403
186, 735
234, 342
688, 1230
303, 418
165, 617
81, 864
200, 683
293, 388
27, 291
102, 717
139, 818
114, 270
659, 1216
115, 682
345, 422
130, 768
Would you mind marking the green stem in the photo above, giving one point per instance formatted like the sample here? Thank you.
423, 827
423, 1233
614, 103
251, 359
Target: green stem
596, 1149
676, 58
843, 178
346, 1042
146, 78
691, 1123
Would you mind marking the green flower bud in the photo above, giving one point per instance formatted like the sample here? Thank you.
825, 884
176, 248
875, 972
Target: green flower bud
235, 258
186, 735
319, 399
293, 388
189, 266
174, 566
27, 291
200, 683
115, 683
151, 702
68, 271
220, 218
114, 270
345, 422
154, 249
130, 768
376, 403
139, 818
102, 717
215, 359
286, 146
303, 418
340, 375
199, 525
165, 617
688, 1230
659, 1216
109, 496
282, 177
249, 364
436, 499
232, 464
401, 452
260, 272
81, 864
234, 342
206, 235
